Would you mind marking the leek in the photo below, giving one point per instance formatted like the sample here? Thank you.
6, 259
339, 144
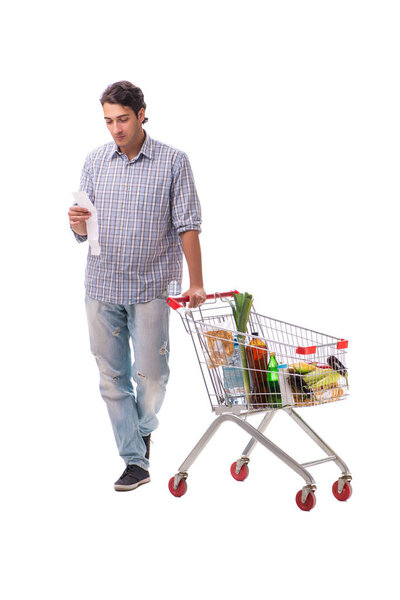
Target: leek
241, 312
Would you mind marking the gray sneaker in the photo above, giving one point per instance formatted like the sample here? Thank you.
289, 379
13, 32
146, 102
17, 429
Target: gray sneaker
131, 478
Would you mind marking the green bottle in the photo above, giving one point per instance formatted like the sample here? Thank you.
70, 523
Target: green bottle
273, 381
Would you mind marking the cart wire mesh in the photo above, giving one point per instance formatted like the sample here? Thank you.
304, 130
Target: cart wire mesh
240, 373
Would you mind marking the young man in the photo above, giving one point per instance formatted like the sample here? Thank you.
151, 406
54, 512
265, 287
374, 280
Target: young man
148, 212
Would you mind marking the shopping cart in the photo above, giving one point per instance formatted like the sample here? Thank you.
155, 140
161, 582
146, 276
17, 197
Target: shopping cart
310, 369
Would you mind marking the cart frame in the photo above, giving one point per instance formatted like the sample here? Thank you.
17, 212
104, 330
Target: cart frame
227, 412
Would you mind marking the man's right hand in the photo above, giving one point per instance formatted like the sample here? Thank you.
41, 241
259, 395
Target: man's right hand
77, 219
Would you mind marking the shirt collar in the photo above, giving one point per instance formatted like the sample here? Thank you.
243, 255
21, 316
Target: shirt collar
146, 149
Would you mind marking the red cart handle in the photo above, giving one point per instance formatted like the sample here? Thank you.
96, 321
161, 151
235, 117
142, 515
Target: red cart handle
175, 302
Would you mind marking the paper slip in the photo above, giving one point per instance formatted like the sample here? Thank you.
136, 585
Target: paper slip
92, 226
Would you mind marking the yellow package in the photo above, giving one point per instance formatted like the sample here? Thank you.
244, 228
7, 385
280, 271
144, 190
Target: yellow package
220, 346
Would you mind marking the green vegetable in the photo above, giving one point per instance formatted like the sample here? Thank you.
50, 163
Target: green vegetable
327, 382
313, 377
241, 312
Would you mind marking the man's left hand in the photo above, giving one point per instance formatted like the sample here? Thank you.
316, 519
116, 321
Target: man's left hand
196, 295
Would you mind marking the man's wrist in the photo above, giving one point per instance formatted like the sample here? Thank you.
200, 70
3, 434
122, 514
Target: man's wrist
196, 285
79, 229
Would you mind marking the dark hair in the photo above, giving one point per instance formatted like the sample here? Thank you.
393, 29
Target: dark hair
126, 94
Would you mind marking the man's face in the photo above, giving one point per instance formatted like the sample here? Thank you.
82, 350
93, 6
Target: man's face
124, 126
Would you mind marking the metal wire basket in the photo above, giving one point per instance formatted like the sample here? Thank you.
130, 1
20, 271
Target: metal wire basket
311, 366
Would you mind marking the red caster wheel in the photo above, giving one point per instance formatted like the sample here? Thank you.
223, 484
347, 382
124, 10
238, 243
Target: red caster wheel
180, 490
309, 503
243, 473
346, 491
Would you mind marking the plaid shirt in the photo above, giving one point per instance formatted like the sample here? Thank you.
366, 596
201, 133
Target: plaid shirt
142, 205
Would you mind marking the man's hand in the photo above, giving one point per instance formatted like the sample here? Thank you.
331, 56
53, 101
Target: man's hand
196, 295
77, 219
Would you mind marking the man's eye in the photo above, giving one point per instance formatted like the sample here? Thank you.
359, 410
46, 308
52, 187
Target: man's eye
123, 120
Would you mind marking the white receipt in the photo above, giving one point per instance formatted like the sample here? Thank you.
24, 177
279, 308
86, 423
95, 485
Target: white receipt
92, 225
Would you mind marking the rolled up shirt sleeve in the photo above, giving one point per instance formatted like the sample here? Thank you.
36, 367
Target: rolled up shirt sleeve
185, 204
86, 185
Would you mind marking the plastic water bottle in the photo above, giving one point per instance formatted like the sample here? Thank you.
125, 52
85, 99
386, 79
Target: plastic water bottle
233, 376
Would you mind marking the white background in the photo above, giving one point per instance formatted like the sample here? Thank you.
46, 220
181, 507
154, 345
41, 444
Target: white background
289, 112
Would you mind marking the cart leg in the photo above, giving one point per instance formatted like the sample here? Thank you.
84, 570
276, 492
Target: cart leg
199, 447
346, 475
254, 433
244, 459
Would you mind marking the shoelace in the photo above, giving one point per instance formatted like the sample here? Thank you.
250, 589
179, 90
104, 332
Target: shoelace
129, 469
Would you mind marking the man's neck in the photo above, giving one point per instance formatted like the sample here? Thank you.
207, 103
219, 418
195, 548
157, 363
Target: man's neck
134, 150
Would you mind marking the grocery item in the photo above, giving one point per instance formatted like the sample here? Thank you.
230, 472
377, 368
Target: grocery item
329, 395
300, 390
335, 364
287, 395
331, 380
311, 379
241, 312
257, 360
274, 395
233, 376
220, 346
302, 367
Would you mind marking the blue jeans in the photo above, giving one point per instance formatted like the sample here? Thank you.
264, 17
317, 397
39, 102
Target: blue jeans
132, 413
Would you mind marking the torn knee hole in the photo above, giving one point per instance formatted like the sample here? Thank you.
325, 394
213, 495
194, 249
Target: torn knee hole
116, 332
141, 375
163, 348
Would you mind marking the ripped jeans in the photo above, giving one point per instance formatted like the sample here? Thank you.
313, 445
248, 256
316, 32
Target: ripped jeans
132, 412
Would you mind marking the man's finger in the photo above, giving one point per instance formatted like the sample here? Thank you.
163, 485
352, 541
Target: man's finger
79, 217
196, 300
75, 213
79, 209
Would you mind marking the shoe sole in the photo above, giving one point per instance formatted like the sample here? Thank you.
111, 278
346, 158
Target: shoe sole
128, 488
